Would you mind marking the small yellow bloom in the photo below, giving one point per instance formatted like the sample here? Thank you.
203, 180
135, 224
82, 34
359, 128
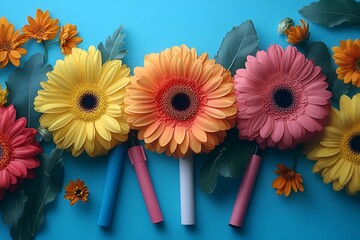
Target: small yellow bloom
76, 191
42, 28
347, 57
3, 95
297, 34
67, 38
287, 181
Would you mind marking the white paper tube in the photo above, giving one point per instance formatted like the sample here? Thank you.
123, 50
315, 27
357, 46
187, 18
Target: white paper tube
187, 197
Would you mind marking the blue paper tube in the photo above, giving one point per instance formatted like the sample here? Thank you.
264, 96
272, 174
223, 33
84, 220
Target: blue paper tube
114, 168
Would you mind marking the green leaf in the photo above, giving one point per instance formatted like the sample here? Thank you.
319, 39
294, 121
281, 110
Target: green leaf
13, 207
40, 191
331, 13
229, 159
240, 42
319, 52
113, 46
23, 85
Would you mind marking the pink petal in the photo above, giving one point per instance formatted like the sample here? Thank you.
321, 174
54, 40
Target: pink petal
267, 127
27, 151
318, 100
294, 129
4, 178
29, 163
17, 169
17, 127
278, 131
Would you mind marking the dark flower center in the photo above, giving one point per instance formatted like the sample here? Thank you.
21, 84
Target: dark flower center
354, 144
357, 64
283, 98
180, 101
6, 46
78, 192
88, 102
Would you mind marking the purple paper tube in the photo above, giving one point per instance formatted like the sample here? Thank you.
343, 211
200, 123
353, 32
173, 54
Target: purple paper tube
244, 193
138, 160
113, 172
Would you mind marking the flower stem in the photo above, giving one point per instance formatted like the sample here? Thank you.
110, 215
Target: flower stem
296, 158
45, 52
52, 43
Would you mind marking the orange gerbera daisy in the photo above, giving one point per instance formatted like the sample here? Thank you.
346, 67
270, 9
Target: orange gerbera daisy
76, 191
181, 102
42, 28
10, 44
288, 179
67, 38
297, 34
347, 57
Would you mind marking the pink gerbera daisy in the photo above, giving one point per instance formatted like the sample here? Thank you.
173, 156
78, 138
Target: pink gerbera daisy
281, 98
18, 149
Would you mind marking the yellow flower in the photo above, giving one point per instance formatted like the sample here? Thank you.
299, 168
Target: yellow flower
288, 180
82, 103
298, 34
11, 42
347, 57
3, 95
42, 28
76, 191
337, 150
67, 38
180, 102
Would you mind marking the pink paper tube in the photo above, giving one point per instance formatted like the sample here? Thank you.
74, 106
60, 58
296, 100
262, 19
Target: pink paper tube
138, 160
244, 194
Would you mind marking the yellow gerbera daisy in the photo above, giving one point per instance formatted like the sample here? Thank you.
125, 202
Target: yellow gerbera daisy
347, 57
82, 103
337, 149
180, 102
42, 28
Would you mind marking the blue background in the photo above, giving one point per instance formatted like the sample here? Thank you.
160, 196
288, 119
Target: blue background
152, 26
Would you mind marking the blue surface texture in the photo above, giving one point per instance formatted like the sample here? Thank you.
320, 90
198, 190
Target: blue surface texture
151, 26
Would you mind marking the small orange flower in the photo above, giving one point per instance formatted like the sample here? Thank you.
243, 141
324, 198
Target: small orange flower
4, 21
297, 34
76, 191
67, 38
288, 179
10, 44
347, 57
42, 28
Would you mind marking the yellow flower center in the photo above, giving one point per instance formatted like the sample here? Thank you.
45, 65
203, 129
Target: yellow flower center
5, 152
357, 64
350, 145
89, 102
6, 46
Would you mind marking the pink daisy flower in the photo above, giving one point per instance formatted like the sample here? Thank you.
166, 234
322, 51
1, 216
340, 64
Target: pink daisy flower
281, 98
18, 150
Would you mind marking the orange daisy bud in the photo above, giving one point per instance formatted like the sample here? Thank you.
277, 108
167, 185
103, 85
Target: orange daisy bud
287, 181
297, 34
